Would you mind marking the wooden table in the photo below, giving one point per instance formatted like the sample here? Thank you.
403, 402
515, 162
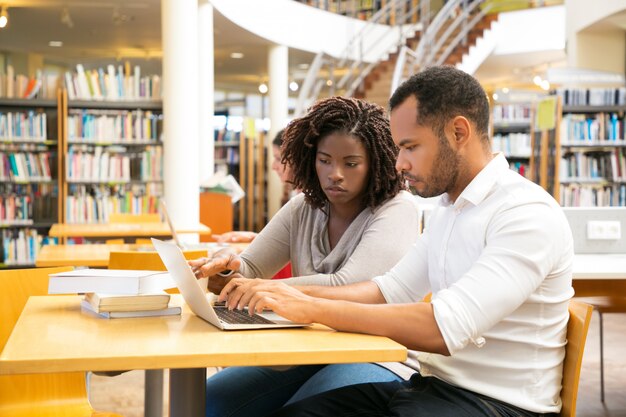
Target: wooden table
599, 274
45, 340
107, 230
94, 255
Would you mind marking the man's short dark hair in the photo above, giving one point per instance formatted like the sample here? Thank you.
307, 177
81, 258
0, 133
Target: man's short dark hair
278, 139
442, 93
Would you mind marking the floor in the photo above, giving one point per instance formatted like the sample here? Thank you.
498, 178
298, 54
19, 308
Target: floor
123, 394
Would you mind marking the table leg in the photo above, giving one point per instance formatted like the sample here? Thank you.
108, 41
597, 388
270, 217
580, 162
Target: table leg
187, 392
153, 393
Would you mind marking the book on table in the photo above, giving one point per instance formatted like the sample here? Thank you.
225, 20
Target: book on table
110, 281
103, 302
168, 311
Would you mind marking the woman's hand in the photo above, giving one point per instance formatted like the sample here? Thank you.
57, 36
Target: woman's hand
221, 261
261, 294
236, 237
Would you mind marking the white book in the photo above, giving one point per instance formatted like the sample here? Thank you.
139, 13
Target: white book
112, 90
10, 82
170, 311
85, 93
111, 281
137, 78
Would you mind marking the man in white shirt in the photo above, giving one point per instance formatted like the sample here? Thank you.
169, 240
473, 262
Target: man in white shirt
496, 254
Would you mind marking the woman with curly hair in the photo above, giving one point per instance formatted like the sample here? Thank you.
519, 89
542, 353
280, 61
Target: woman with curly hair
351, 222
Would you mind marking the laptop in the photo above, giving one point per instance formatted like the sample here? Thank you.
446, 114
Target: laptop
185, 246
217, 315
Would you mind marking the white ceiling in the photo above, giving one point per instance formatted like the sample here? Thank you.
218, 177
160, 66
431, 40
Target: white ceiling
129, 30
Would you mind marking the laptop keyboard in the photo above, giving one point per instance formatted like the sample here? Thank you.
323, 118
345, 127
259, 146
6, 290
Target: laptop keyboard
240, 317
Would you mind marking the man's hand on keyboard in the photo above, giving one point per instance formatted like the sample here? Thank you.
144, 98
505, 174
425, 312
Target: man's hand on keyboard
260, 294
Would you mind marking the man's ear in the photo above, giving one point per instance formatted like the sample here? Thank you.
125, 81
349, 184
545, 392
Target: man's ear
461, 129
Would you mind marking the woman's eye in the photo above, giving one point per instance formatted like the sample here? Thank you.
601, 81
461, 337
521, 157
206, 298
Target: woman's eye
351, 164
323, 161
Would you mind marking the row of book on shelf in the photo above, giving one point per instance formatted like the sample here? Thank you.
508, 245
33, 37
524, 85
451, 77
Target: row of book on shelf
579, 195
113, 293
28, 125
119, 82
114, 126
512, 144
609, 165
592, 96
521, 168
112, 84
25, 166
41, 85
96, 205
21, 246
593, 128
511, 113
114, 164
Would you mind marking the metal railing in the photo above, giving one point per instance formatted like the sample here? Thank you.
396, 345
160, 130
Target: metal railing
350, 67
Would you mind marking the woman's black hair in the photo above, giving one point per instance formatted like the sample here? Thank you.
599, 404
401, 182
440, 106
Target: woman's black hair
358, 118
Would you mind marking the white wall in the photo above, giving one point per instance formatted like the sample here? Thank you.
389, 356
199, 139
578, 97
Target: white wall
598, 49
510, 34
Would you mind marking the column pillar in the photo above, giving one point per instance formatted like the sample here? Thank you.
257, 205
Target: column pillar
180, 97
206, 86
278, 68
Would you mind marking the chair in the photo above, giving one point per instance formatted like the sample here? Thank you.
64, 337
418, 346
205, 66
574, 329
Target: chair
577, 327
599, 298
216, 211
146, 260
134, 218
153, 392
43, 395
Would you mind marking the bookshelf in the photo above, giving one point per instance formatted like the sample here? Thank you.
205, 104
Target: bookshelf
113, 158
512, 134
30, 135
593, 165
240, 152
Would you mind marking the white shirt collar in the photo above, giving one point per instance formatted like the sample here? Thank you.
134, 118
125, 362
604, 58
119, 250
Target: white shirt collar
478, 189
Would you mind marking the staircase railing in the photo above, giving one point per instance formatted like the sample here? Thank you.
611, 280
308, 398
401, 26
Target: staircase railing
351, 68
454, 15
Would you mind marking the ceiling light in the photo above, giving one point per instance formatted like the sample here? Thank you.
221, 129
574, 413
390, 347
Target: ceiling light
263, 88
293, 86
55, 44
329, 83
236, 55
505, 90
545, 84
66, 19
537, 80
495, 96
4, 16
303, 66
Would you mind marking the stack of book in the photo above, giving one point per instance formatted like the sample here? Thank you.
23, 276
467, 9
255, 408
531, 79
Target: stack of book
114, 293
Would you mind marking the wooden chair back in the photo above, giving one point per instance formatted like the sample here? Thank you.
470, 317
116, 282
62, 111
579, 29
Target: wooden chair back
134, 218
44, 395
577, 327
145, 260
216, 211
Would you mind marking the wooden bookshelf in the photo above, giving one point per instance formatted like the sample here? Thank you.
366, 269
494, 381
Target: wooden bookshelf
113, 158
30, 183
512, 133
593, 144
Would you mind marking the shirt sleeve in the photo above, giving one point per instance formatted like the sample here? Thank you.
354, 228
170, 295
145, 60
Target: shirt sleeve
388, 237
408, 281
522, 247
273, 240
